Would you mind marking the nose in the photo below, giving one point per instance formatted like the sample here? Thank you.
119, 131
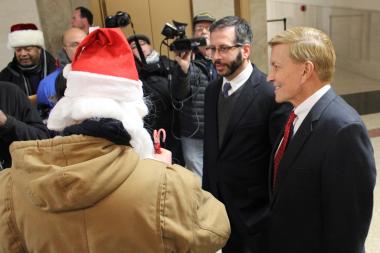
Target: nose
205, 30
23, 52
270, 76
215, 54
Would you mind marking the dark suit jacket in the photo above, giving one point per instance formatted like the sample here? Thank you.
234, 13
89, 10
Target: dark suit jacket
23, 122
323, 199
237, 172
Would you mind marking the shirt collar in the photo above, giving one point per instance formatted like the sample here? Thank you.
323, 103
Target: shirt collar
240, 79
303, 109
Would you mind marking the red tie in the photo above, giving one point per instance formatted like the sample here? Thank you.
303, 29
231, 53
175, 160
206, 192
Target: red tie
281, 150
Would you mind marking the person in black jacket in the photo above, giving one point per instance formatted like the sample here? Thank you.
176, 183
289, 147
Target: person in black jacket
31, 62
19, 121
195, 70
154, 75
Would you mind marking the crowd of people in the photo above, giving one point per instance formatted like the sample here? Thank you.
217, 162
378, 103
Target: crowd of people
261, 163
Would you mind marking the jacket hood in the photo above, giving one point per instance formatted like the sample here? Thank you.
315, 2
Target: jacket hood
69, 173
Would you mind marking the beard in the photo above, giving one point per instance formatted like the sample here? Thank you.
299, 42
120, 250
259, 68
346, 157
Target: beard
232, 66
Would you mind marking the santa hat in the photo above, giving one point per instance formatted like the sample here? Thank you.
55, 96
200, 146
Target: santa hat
23, 35
102, 82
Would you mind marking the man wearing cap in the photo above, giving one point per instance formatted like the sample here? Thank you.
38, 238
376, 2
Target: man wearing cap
154, 75
98, 189
31, 62
194, 72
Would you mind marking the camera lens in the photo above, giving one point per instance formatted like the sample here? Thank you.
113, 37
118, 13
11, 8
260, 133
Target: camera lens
110, 22
120, 19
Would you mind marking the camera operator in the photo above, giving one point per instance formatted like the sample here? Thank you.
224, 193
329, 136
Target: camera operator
154, 75
194, 71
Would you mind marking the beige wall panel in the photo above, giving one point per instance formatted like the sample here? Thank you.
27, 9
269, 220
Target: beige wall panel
139, 12
150, 16
95, 6
218, 8
165, 11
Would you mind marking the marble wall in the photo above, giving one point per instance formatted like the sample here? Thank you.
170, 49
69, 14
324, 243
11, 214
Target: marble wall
259, 28
355, 32
54, 25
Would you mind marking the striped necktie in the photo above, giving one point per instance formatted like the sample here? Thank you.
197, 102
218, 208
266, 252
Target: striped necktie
226, 88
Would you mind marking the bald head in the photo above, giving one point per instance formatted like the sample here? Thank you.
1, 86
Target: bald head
72, 37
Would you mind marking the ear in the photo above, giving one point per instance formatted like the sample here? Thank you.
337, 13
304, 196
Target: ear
246, 51
308, 70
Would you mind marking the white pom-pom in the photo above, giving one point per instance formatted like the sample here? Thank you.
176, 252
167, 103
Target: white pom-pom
66, 70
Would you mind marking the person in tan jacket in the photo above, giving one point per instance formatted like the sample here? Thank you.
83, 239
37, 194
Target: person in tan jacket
98, 188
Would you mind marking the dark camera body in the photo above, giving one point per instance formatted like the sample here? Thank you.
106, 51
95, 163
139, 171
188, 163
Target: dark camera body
120, 19
177, 30
181, 43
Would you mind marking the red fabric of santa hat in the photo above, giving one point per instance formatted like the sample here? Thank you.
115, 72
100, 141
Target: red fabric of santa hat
23, 35
102, 82
105, 63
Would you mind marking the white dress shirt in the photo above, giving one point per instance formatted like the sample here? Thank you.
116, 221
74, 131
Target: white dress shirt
240, 79
303, 109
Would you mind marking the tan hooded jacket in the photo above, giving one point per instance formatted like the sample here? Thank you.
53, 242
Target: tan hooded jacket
80, 194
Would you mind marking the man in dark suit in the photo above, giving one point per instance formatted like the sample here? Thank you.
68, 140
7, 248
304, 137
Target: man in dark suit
241, 124
323, 190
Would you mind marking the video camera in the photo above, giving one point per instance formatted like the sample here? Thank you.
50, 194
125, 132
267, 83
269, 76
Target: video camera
181, 43
120, 19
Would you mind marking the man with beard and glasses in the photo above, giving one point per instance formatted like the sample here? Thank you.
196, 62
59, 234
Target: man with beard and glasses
31, 62
242, 122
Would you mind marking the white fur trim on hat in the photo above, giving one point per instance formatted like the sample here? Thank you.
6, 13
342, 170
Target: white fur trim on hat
90, 95
23, 38
87, 84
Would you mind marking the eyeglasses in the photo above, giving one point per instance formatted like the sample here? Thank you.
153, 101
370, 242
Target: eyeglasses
222, 49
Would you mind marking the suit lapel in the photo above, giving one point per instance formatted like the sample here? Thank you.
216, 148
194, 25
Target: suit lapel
242, 103
271, 163
212, 128
300, 137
